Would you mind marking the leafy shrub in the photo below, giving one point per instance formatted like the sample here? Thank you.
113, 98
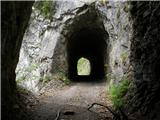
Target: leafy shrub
117, 92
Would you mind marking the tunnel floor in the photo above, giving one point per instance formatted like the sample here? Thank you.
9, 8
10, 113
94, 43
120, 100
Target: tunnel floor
75, 98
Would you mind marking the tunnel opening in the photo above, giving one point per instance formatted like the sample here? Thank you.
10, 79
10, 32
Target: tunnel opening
88, 43
83, 67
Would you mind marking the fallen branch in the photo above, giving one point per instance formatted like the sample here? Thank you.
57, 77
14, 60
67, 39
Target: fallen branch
116, 116
111, 111
58, 115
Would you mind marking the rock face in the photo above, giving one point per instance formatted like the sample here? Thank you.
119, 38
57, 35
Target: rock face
15, 17
117, 22
47, 44
145, 57
45, 48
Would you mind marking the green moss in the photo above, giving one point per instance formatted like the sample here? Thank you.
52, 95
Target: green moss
117, 92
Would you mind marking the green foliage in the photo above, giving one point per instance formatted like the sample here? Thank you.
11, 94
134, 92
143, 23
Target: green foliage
117, 92
47, 8
83, 66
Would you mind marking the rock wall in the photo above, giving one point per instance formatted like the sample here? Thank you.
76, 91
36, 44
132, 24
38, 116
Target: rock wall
15, 17
145, 57
44, 47
118, 24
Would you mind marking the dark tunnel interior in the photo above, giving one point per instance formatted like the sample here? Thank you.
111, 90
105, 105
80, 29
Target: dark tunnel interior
88, 43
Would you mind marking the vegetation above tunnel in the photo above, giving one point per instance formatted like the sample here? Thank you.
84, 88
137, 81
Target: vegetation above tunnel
46, 8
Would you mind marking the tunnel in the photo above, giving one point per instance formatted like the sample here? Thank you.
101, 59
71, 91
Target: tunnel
90, 44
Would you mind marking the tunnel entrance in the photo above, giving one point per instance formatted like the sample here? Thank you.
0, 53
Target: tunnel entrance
88, 43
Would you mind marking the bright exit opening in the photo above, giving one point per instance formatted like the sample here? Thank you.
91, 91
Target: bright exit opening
83, 67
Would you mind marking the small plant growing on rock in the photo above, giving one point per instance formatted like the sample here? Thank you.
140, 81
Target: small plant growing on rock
46, 8
117, 92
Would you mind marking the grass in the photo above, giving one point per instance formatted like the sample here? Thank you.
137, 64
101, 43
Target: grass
117, 92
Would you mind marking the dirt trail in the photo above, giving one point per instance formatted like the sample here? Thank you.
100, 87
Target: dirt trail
74, 99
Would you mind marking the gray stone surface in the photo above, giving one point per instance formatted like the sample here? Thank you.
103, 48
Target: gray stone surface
44, 44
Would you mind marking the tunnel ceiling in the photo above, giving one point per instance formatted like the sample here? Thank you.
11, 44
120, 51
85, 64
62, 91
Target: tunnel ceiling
87, 42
